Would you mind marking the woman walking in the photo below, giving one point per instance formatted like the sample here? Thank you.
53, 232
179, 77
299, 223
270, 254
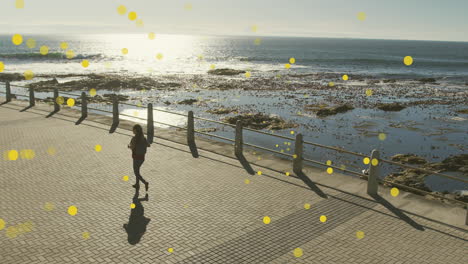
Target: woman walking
138, 144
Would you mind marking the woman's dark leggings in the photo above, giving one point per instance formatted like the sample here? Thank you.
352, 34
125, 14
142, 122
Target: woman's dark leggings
136, 169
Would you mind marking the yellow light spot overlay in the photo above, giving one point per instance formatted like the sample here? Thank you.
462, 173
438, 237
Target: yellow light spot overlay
86, 235
369, 92
394, 192
292, 60
98, 148
140, 23
64, 45
132, 205
257, 41
17, 39
212, 66
287, 65
70, 54
323, 218
85, 63
51, 151
287, 173
188, 6
360, 234
366, 160
19, 4
254, 28
170, 250
60, 100
331, 84
44, 50
125, 178
92, 92
2, 66
2, 224
329, 162
72, 210
248, 74
307, 206
122, 10
31, 43
124, 51
159, 56
266, 220
132, 16
246, 181
298, 252
345, 77
408, 60
361, 16
28, 75
49, 206
71, 102
375, 162
151, 35
382, 136
329, 170
259, 172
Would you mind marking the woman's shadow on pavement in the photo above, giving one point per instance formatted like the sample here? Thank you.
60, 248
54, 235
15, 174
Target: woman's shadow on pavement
136, 226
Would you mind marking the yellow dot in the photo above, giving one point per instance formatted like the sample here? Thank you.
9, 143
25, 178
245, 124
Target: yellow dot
382, 136
330, 170
248, 74
266, 220
294, 156
70, 54
151, 35
307, 206
28, 226
121, 9
259, 172
72, 210
19, 4
288, 149
282, 150
331, 84
17, 39
132, 205
71, 102
140, 23
98, 148
135, 113
394, 192
2, 66
292, 60
27, 154
329, 162
343, 167
132, 15
323, 218
12, 154
60, 100
246, 181
12, 232
124, 51
51, 151
28, 75
64, 45
92, 92
125, 178
366, 160
85, 63
2, 224
254, 28
289, 143
375, 162
188, 6
292, 132
297, 252
86, 235
287, 173
369, 92
257, 41
159, 56
200, 57
360, 235
287, 65
212, 66
408, 60
49, 206
170, 250
44, 50
31, 43
345, 77
361, 16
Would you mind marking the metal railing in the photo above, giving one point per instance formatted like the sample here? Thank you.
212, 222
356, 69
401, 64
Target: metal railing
373, 175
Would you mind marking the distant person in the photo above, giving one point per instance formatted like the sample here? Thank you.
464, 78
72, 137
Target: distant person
138, 144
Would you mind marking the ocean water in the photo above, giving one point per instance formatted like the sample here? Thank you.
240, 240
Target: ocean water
181, 54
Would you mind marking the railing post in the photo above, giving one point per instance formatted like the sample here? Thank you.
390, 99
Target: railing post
115, 111
298, 151
32, 101
150, 124
190, 129
56, 105
84, 106
372, 183
238, 145
8, 92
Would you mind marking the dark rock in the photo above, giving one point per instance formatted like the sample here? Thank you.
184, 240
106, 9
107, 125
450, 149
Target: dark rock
221, 111
11, 77
188, 101
408, 159
260, 121
427, 80
167, 103
225, 72
463, 111
326, 111
391, 107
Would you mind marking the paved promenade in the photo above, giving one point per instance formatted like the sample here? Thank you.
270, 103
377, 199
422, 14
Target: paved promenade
199, 210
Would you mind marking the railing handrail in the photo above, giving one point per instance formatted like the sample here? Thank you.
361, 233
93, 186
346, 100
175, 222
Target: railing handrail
270, 134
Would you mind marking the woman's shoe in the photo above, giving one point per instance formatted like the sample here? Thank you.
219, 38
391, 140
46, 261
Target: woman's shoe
137, 186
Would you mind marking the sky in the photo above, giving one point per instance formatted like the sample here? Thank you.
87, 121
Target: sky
385, 19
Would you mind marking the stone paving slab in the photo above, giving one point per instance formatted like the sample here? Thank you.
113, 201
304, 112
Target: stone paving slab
200, 207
